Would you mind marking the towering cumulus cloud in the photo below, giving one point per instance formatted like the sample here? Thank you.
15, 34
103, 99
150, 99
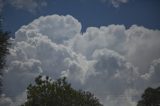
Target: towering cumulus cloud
113, 62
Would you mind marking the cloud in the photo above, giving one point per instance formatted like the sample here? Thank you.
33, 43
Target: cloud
114, 76
153, 75
116, 3
29, 5
1, 5
34, 5
5, 101
113, 62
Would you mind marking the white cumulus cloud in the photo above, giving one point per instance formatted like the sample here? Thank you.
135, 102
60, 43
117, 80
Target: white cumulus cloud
113, 62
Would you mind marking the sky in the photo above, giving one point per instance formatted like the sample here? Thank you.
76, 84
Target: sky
89, 12
108, 47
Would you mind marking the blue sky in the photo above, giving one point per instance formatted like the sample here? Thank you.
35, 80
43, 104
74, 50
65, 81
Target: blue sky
89, 13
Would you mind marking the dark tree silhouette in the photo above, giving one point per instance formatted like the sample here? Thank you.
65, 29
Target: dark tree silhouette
46, 92
151, 97
4, 36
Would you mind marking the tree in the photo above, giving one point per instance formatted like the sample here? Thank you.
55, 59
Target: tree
151, 97
46, 92
4, 36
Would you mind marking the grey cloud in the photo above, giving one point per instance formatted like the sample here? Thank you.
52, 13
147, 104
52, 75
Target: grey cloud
143, 46
114, 75
153, 75
99, 38
138, 45
5, 101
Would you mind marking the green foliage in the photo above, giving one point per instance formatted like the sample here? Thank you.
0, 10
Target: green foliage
46, 92
151, 97
4, 36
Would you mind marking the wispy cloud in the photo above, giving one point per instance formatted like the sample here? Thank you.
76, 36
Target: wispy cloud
1, 5
116, 3
29, 5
